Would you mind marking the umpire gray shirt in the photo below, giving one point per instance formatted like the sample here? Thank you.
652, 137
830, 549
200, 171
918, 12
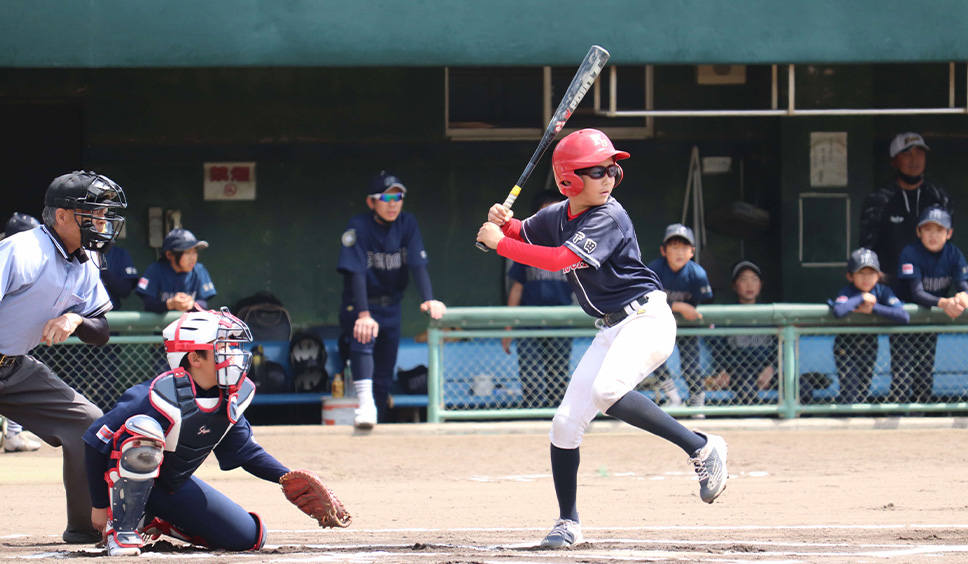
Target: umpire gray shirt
40, 281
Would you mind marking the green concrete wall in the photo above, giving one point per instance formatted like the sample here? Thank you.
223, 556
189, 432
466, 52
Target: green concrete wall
219, 33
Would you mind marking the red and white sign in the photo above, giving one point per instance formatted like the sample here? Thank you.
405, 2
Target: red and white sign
229, 181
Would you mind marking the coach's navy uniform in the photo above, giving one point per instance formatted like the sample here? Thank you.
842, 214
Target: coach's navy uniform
196, 424
376, 259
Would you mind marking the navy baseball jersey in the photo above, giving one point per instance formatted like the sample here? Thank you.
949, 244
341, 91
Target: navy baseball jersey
609, 273
384, 252
120, 271
541, 287
162, 282
937, 271
689, 285
850, 297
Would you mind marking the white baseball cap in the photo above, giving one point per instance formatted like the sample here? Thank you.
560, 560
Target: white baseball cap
905, 141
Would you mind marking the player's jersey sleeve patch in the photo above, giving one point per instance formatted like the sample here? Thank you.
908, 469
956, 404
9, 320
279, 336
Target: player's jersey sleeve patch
590, 245
907, 268
349, 238
143, 283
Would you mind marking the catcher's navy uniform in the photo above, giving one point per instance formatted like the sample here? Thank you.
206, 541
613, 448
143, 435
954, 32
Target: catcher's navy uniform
161, 282
195, 423
385, 254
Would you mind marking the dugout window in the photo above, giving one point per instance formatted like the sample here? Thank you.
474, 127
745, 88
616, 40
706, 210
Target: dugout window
516, 103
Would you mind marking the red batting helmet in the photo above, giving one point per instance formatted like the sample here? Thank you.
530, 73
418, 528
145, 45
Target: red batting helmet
582, 149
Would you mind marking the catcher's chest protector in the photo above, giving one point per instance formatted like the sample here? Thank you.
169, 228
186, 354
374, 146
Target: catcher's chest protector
194, 432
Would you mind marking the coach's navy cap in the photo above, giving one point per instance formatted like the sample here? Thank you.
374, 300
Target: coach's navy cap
679, 230
905, 141
863, 258
179, 239
936, 214
385, 181
742, 265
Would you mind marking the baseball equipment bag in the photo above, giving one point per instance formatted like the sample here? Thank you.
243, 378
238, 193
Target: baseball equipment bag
305, 490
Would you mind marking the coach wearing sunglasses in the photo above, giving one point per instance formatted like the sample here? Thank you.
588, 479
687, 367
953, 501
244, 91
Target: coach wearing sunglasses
379, 249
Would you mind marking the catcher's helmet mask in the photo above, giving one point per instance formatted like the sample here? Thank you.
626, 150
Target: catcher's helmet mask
96, 201
582, 149
217, 331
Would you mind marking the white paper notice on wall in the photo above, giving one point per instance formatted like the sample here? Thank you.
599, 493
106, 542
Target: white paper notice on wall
828, 158
229, 181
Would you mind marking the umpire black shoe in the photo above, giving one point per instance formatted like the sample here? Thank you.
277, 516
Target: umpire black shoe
90, 536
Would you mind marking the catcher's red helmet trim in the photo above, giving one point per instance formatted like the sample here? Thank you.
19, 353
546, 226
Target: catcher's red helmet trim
582, 149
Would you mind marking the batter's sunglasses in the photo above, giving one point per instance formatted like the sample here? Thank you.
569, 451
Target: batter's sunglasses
597, 172
398, 197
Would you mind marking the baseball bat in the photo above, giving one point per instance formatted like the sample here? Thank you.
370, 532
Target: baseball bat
587, 72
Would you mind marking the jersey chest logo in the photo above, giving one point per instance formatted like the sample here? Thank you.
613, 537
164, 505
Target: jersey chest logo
897, 219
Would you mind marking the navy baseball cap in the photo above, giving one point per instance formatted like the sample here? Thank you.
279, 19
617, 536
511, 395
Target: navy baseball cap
679, 230
863, 258
936, 214
742, 265
20, 222
904, 141
179, 240
383, 182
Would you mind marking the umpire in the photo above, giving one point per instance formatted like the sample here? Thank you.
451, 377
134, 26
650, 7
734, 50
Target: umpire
50, 290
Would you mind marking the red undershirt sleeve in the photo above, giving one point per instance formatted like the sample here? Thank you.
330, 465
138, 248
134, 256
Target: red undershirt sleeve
545, 258
512, 229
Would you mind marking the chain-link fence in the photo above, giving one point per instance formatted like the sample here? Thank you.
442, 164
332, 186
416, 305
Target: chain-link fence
911, 367
480, 371
102, 374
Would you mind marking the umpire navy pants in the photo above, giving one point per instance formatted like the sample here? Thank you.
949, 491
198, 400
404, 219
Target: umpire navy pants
32, 395
383, 349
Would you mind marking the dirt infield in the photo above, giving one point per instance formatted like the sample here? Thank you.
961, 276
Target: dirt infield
832, 491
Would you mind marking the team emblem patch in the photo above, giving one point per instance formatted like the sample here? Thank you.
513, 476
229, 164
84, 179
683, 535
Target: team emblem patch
143, 283
907, 268
349, 238
590, 245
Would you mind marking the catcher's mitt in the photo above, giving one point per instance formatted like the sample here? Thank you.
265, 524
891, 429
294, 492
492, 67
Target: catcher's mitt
305, 490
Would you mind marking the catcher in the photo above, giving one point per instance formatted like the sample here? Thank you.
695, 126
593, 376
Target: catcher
142, 455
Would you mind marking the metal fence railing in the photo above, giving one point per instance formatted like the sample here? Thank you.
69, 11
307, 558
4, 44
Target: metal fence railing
780, 359
776, 360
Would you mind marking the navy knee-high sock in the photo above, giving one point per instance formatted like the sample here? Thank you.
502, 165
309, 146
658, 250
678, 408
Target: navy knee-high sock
564, 472
362, 365
639, 411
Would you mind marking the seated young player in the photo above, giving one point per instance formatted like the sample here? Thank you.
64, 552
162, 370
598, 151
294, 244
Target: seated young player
161, 431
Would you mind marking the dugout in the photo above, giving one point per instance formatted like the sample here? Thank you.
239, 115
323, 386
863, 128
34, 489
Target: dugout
321, 95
